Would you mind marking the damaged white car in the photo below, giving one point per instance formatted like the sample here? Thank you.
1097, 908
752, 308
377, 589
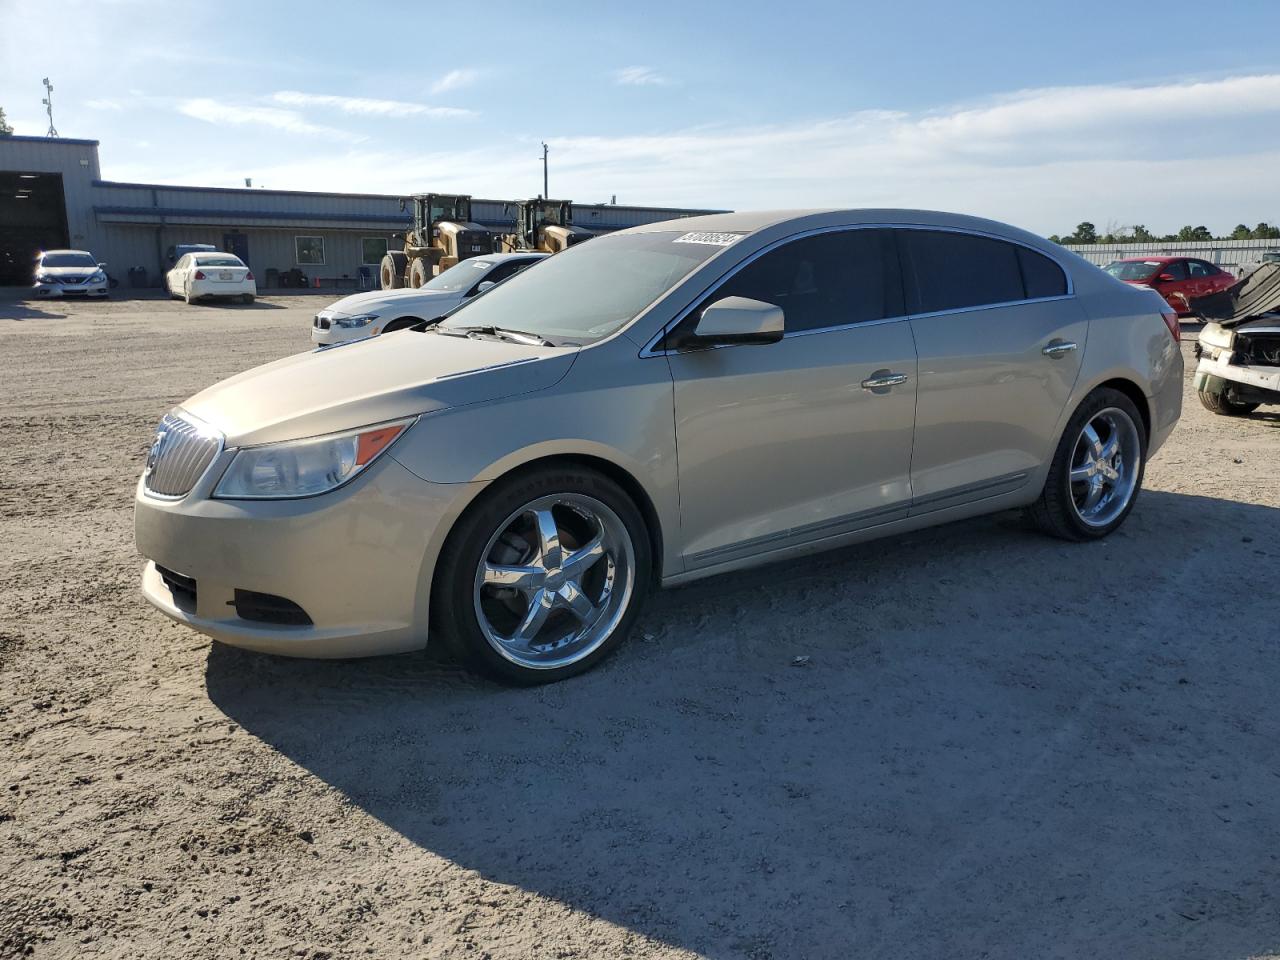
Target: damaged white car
1239, 346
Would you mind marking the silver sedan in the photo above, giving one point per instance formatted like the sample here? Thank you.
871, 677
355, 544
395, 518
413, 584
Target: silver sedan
665, 403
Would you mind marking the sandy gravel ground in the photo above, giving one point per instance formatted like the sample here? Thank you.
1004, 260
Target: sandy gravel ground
1000, 746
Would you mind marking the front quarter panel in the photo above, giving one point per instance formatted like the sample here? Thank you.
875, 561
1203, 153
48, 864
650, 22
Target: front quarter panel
612, 405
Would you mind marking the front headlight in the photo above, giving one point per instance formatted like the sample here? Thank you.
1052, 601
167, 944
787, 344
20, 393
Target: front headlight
350, 322
45, 278
98, 277
305, 468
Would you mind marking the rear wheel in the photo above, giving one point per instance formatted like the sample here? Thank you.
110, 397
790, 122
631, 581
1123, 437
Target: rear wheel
248, 298
1214, 398
391, 272
542, 578
1097, 469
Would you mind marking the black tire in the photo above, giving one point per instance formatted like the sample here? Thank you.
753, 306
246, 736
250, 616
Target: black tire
1055, 511
247, 298
419, 273
1214, 399
400, 323
391, 271
454, 618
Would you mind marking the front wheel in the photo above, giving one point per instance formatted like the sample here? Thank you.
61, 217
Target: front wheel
1214, 398
1096, 471
400, 323
543, 577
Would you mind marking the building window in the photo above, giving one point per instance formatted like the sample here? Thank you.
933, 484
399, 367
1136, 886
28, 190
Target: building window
309, 250
372, 250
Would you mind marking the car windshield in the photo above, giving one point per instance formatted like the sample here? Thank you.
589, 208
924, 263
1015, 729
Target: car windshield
1133, 269
227, 261
459, 276
68, 260
592, 289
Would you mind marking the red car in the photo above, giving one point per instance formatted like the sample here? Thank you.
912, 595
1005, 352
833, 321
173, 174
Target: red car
1177, 279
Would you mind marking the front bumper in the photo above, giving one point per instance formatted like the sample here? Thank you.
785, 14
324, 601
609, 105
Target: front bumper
358, 561
1258, 377
47, 291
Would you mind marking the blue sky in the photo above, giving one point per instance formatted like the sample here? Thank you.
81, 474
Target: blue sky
1040, 114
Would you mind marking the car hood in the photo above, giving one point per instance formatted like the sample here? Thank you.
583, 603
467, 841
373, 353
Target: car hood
372, 381
371, 301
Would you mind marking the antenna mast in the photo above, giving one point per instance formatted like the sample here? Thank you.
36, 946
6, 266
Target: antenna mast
48, 106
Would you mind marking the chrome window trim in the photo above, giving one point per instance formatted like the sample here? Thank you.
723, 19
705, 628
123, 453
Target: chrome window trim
651, 349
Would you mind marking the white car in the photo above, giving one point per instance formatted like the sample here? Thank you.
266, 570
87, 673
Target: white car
368, 314
62, 273
198, 275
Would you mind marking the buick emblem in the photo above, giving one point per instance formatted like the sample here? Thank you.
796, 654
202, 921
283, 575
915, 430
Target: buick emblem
153, 455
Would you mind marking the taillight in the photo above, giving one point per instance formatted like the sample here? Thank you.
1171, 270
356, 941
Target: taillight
1171, 321
248, 275
199, 275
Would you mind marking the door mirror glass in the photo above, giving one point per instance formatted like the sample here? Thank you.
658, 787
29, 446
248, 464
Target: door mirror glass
740, 320
1166, 278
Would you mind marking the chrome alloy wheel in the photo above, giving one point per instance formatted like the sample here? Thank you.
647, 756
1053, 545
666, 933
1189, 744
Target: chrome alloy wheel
1105, 466
554, 581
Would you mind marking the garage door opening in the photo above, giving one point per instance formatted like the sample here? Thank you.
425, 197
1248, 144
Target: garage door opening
33, 217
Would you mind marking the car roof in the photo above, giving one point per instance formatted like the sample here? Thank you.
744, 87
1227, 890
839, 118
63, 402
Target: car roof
85, 252
197, 254
1158, 258
499, 257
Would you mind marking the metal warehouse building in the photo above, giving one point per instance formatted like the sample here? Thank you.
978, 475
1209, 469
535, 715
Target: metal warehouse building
52, 195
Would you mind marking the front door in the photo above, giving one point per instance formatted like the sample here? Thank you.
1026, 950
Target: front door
809, 437
237, 243
999, 343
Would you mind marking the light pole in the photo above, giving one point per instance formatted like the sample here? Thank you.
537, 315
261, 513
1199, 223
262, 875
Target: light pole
545, 193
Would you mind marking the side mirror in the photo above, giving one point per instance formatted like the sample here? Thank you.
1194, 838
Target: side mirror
740, 320
102, 266
485, 285
1166, 278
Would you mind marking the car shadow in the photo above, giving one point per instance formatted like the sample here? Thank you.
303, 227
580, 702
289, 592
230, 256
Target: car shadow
969, 741
17, 310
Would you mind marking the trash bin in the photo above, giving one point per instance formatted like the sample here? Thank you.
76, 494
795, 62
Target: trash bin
137, 277
272, 278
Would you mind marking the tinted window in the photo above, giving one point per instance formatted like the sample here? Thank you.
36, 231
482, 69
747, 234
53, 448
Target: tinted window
1198, 268
1041, 277
1133, 269
1177, 269
827, 280
948, 271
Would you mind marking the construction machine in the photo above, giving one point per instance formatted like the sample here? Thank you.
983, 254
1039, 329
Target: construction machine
442, 234
543, 225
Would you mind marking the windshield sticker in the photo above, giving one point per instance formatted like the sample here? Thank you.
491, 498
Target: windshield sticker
714, 239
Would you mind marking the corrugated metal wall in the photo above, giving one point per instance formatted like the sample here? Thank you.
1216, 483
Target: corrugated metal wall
1228, 254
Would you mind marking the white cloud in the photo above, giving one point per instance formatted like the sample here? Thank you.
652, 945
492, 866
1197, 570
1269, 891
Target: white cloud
104, 104
640, 77
367, 106
1162, 155
455, 80
230, 114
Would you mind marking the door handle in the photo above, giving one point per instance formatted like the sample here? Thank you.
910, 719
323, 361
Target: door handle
1059, 348
882, 379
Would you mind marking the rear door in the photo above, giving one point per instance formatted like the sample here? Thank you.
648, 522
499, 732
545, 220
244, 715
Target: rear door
999, 340
809, 437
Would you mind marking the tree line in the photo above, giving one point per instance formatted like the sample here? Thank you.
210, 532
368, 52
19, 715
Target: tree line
1086, 232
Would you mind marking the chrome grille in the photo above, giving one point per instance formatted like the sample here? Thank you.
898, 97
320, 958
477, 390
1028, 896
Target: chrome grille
180, 452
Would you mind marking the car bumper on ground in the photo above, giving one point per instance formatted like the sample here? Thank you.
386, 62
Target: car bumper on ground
1259, 377
355, 563
50, 290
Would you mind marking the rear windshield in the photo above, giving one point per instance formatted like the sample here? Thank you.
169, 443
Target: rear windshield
68, 260
1132, 269
592, 289
226, 261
